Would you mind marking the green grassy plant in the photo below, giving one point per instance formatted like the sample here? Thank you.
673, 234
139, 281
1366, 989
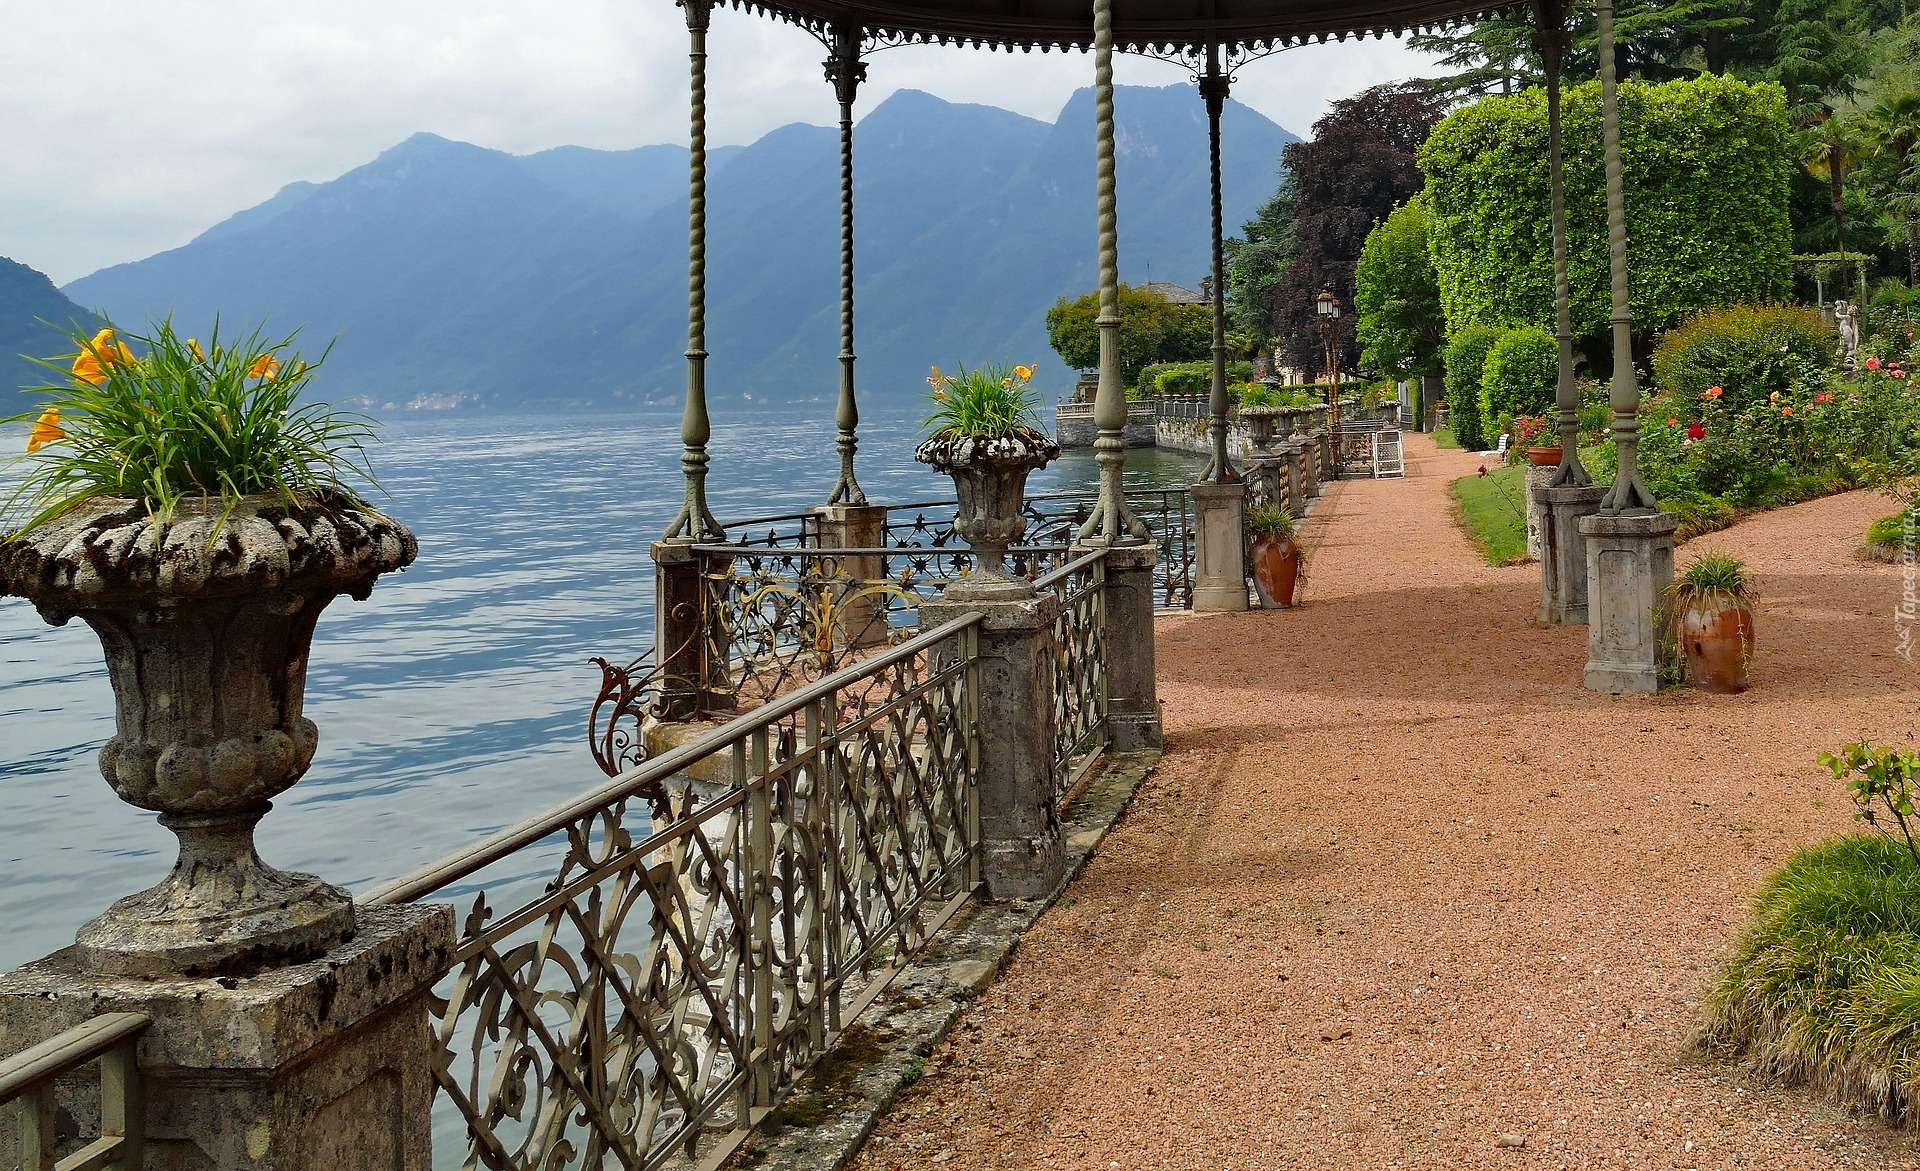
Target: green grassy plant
1492, 508
1269, 518
1891, 532
1824, 988
985, 402
179, 422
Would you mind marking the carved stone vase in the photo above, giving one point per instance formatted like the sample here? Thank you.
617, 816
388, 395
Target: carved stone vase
206, 622
990, 477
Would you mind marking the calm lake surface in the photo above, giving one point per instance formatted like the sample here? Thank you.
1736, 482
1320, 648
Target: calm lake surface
454, 701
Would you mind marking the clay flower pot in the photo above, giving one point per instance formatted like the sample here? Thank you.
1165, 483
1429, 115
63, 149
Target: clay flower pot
1276, 569
990, 478
206, 623
1716, 634
1544, 457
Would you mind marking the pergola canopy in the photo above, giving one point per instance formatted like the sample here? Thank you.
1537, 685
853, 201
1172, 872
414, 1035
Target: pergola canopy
1140, 26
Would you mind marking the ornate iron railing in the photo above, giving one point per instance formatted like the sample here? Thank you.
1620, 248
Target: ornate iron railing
654, 997
1053, 518
27, 1079
1080, 669
779, 618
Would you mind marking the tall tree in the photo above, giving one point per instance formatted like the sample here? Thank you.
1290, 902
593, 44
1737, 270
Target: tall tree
1829, 147
1255, 261
1358, 167
1890, 120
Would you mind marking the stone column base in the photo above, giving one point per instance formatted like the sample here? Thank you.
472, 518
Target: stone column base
1219, 562
317, 1067
1629, 567
860, 613
1022, 855
1133, 703
1563, 553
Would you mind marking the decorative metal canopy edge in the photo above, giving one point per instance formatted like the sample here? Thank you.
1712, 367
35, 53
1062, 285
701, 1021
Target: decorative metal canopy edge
1157, 27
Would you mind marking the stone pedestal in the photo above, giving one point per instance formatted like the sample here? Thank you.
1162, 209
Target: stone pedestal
1563, 552
1219, 570
318, 1067
1133, 703
1538, 477
1022, 855
860, 613
1629, 567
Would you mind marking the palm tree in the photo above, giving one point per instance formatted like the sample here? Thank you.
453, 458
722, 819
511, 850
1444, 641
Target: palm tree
1890, 122
1829, 148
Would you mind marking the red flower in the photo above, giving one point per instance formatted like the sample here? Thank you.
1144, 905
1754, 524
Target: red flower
1483, 469
1672, 422
1697, 431
1823, 398
1873, 363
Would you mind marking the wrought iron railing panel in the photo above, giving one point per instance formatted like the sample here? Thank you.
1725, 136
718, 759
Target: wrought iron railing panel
667, 983
1080, 669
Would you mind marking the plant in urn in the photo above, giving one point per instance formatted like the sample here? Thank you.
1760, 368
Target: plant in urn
188, 508
985, 432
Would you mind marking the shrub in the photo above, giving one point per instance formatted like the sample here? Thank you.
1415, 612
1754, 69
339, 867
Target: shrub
1188, 377
1398, 300
1520, 375
1893, 532
1751, 351
1707, 186
1822, 988
1466, 362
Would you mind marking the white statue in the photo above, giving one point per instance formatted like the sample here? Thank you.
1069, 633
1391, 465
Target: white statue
1846, 318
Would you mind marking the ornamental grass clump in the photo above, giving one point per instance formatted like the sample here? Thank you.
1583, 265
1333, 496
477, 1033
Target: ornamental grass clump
1711, 577
167, 420
987, 402
1824, 987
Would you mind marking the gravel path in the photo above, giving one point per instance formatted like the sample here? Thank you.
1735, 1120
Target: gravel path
1402, 891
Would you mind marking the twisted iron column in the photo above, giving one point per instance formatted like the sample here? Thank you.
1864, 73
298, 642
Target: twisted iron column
1214, 86
1112, 522
695, 520
845, 71
1550, 40
1629, 495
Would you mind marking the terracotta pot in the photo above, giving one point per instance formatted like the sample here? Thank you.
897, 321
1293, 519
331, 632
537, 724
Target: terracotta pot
1276, 569
1717, 635
990, 478
206, 624
1544, 457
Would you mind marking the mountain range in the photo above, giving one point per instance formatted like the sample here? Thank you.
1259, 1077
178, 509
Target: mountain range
451, 274
32, 316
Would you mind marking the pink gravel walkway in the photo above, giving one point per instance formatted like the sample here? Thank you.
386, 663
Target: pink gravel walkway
1402, 888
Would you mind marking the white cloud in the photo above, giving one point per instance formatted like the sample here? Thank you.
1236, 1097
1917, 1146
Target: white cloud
132, 126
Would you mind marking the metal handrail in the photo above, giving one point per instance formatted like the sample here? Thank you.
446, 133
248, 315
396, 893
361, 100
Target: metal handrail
823, 552
462, 863
1088, 495
1053, 577
27, 1077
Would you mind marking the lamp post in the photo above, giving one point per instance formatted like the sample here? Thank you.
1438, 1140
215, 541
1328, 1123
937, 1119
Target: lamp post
1328, 307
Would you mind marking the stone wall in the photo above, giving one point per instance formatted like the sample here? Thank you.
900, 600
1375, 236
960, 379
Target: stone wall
1191, 435
1073, 425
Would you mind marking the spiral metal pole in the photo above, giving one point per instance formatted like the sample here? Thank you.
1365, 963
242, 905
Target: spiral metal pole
1551, 41
1112, 522
1629, 494
695, 520
846, 71
1214, 87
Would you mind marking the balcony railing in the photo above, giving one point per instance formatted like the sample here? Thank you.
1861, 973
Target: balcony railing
27, 1082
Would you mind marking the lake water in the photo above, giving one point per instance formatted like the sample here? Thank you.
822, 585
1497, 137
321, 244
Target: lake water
454, 701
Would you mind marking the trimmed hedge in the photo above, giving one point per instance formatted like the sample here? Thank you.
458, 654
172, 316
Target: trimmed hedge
1189, 377
1750, 351
1521, 375
1466, 363
1708, 169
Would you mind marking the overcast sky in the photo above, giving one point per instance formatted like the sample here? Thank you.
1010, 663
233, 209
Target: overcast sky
129, 126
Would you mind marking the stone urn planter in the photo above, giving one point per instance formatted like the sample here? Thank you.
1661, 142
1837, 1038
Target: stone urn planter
990, 477
1261, 427
206, 623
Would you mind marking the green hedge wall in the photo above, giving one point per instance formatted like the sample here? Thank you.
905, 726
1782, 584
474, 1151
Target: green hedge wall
1466, 360
1706, 163
1520, 376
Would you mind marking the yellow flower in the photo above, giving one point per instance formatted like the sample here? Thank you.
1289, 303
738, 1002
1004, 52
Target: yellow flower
265, 366
46, 429
87, 368
90, 366
1023, 372
194, 345
937, 378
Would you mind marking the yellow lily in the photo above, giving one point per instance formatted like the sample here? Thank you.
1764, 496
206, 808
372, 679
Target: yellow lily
1023, 372
265, 366
194, 345
936, 379
88, 369
46, 429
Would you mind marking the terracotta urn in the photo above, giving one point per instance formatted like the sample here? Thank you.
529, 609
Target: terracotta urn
990, 478
1716, 634
1544, 457
206, 623
1276, 569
